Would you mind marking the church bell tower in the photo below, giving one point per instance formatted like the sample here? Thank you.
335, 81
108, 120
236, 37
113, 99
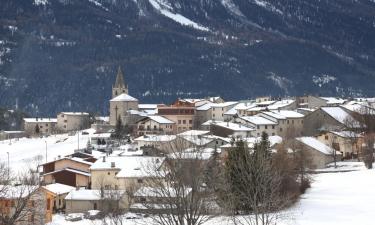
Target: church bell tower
120, 87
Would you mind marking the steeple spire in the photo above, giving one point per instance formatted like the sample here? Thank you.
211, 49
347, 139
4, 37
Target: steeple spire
119, 79
120, 87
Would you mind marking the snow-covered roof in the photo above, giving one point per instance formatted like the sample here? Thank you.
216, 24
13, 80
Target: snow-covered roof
93, 195
265, 103
75, 159
289, 113
340, 115
222, 105
204, 107
161, 120
124, 98
346, 134
58, 188
70, 170
281, 104
333, 100
75, 113
40, 120
156, 138
129, 166
147, 106
193, 153
251, 141
15, 192
232, 126
258, 120
157, 192
194, 133
317, 145
101, 135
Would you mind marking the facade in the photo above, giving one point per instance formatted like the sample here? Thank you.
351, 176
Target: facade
5, 135
70, 121
260, 124
319, 154
155, 125
119, 108
181, 115
346, 142
290, 123
225, 129
39, 204
39, 126
69, 171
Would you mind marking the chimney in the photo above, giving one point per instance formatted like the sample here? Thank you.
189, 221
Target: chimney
103, 158
113, 164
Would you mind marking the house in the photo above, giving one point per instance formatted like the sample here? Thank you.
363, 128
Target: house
39, 204
59, 191
181, 113
214, 111
290, 123
200, 139
6, 135
225, 129
260, 124
37, 126
317, 102
156, 125
124, 172
156, 142
72, 171
347, 142
328, 119
71, 121
155, 200
83, 200
319, 154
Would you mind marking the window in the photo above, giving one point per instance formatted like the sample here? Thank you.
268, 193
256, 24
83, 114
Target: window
179, 121
301, 121
184, 121
109, 173
326, 137
65, 121
265, 127
273, 134
273, 126
213, 109
46, 124
142, 199
213, 115
140, 181
292, 121
287, 121
258, 134
257, 126
190, 121
281, 129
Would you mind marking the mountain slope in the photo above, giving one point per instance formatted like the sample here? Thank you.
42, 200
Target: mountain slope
61, 55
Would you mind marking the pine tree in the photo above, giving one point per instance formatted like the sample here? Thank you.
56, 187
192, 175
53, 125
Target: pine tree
119, 128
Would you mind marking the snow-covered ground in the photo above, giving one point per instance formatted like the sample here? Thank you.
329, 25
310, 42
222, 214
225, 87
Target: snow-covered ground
22, 152
343, 198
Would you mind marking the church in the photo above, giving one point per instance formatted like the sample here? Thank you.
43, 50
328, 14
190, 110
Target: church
121, 101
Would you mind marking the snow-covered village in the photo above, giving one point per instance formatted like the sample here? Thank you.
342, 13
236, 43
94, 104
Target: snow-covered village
297, 160
187, 112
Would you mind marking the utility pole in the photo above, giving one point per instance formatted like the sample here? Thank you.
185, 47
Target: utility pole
46, 149
8, 166
78, 139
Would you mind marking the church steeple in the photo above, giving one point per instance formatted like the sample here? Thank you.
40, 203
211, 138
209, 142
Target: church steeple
120, 87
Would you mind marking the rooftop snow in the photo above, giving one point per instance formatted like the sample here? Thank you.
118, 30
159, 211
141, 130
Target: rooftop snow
92, 195
75, 113
40, 120
156, 138
124, 98
58, 188
317, 145
333, 100
194, 133
232, 126
258, 120
161, 120
339, 114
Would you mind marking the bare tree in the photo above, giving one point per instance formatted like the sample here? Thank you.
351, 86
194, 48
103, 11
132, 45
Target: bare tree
177, 193
21, 201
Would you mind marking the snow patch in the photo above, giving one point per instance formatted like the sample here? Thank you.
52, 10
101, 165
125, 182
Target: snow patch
323, 79
268, 6
40, 2
282, 82
165, 9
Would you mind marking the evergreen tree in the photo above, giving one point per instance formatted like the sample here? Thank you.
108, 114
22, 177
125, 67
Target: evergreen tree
119, 128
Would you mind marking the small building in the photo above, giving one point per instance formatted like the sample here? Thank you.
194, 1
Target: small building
123, 172
60, 191
72, 171
39, 204
260, 124
347, 142
6, 135
181, 113
328, 119
226, 129
71, 121
290, 123
319, 154
155, 125
83, 200
39, 126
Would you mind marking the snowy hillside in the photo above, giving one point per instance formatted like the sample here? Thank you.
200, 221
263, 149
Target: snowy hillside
23, 152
